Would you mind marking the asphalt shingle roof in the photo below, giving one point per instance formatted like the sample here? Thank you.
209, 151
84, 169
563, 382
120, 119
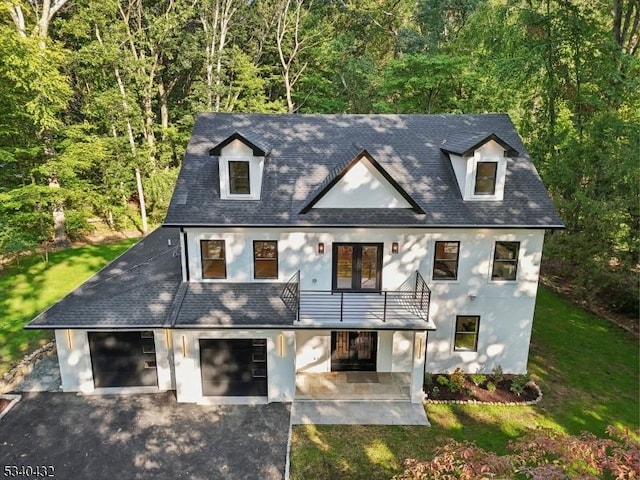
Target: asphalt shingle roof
306, 150
136, 290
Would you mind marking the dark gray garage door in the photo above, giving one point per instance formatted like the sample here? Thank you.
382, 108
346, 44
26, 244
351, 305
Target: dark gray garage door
123, 359
236, 367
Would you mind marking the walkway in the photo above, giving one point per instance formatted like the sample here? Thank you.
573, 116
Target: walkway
358, 413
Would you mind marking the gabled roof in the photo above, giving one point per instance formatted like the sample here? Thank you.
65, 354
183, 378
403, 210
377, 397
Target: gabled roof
465, 143
259, 146
308, 150
341, 170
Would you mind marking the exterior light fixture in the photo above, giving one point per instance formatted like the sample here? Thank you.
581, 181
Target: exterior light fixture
394, 247
321, 248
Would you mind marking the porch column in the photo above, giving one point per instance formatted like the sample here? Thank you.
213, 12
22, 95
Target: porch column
417, 374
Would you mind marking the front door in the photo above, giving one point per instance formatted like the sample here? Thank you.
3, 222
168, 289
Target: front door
354, 351
357, 266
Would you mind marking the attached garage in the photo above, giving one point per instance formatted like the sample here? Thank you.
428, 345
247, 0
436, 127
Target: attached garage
123, 359
233, 367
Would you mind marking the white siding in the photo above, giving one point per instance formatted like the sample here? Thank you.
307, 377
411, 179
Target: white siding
505, 307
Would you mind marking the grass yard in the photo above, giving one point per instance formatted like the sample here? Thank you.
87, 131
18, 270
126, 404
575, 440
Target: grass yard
588, 370
31, 286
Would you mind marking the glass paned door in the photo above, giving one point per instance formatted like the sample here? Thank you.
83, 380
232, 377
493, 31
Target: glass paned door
357, 266
344, 267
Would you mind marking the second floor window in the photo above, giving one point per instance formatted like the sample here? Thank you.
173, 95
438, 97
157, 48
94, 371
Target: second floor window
485, 178
214, 262
445, 263
505, 261
265, 259
239, 178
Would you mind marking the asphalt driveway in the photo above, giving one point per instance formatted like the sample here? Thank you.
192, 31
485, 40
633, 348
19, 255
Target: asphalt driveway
143, 436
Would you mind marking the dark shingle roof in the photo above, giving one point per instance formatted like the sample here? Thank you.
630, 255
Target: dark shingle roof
234, 304
464, 143
306, 149
136, 290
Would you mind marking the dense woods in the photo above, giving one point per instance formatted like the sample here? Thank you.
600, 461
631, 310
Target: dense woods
98, 98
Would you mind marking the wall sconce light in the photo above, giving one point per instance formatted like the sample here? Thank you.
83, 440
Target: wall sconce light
473, 296
394, 247
321, 248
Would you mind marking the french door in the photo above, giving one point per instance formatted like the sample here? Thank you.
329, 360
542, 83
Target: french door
357, 267
353, 351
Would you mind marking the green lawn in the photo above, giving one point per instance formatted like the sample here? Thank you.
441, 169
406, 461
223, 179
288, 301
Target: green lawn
588, 370
31, 286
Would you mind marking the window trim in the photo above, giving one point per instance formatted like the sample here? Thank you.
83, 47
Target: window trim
255, 259
231, 178
514, 261
203, 259
477, 177
436, 259
476, 333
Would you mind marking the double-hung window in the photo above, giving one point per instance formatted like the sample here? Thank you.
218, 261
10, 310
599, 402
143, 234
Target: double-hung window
239, 182
214, 263
486, 178
505, 261
466, 337
445, 262
265, 259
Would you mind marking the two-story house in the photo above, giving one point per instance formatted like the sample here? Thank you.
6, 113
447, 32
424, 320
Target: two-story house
320, 256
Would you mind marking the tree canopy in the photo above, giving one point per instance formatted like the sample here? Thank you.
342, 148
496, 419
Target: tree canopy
98, 99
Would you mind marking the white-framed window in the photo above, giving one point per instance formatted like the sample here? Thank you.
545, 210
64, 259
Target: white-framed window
240, 172
486, 176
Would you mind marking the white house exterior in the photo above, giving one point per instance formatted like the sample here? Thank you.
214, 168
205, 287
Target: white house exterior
299, 250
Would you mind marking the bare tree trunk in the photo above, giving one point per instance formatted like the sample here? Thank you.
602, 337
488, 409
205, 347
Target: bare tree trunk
290, 45
132, 142
215, 19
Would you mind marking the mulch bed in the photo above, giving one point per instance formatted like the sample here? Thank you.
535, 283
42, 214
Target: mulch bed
470, 392
4, 404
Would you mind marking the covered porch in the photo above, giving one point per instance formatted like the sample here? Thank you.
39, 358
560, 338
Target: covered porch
354, 386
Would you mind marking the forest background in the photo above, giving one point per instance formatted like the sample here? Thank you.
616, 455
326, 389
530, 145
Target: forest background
98, 97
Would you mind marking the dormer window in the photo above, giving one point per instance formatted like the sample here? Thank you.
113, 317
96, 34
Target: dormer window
239, 180
485, 178
479, 161
240, 166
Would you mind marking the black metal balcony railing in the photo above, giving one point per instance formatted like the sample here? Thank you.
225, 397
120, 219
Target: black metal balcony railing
411, 299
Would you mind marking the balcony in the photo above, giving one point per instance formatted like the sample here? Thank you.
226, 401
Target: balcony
406, 306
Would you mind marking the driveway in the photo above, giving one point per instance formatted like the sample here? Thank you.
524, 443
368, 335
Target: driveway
144, 436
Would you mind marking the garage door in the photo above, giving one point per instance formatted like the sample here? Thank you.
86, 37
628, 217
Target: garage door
123, 359
236, 367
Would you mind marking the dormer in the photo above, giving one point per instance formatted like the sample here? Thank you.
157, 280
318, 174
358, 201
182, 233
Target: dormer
479, 161
241, 165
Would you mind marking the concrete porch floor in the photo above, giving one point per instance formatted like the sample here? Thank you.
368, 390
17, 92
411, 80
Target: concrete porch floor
353, 386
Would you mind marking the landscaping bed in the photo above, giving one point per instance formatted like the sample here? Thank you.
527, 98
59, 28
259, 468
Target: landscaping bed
495, 388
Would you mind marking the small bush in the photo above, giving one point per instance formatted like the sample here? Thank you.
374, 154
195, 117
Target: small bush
478, 378
491, 386
428, 379
518, 383
442, 380
497, 375
435, 392
456, 381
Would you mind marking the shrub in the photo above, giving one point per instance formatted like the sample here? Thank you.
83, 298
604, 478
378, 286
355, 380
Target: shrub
491, 386
456, 381
518, 383
497, 374
442, 380
435, 392
478, 378
542, 454
428, 379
